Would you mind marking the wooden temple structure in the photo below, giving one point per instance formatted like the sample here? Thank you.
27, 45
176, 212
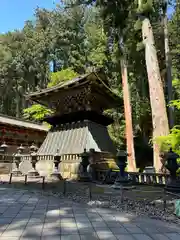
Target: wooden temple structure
14, 132
79, 121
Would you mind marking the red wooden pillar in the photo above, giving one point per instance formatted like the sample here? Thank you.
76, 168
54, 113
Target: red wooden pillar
128, 118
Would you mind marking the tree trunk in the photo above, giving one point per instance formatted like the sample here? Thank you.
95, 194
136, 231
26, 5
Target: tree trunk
158, 105
168, 70
128, 118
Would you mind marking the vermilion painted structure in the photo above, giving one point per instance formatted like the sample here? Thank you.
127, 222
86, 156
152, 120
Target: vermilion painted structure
15, 132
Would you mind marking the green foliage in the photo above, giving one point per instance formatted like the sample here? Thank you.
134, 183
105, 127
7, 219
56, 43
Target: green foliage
172, 140
140, 46
117, 129
138, 25
75, 40
176, 83
145, 7
174, 34
61, 76
84, 37
176, 103
36, 112
97, 43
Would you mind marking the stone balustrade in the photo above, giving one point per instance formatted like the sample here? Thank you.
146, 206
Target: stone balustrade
65, 157
6, 158
69, 164
149, 178
137, 178
67, 160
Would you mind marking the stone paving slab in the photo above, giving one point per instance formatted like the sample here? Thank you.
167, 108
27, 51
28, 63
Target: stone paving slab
26, 215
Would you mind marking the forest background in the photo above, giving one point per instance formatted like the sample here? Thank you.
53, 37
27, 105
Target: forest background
79, 36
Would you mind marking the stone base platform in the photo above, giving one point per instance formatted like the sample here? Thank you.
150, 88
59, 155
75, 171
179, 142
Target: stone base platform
56, 175
33, 173
68, 168
16, 172
173, 186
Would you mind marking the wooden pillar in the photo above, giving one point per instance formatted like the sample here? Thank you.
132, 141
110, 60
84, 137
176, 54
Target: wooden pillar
128, 118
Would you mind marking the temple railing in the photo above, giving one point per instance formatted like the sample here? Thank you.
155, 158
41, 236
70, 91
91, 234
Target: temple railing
149, 178
39, 157
136, 177
26, 157
6, 158
65, 157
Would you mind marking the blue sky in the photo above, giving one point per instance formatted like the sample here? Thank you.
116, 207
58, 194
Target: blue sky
13, 13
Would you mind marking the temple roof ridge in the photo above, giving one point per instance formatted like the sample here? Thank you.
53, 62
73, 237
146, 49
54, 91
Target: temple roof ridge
59, 85
5, 119
73, 83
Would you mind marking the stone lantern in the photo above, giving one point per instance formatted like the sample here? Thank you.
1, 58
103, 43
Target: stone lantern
17, 160
3, 151
83, 166
122, 163
33, 154
33, 148
122, 180
56, 172
172, 165
3, 148
21, 149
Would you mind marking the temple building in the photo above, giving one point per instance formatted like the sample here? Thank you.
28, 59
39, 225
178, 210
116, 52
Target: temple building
79, 121
14, 132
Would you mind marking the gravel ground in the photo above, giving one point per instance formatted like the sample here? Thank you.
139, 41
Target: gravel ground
130, 204
139, 207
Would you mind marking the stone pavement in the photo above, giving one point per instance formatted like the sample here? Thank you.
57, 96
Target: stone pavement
26, 215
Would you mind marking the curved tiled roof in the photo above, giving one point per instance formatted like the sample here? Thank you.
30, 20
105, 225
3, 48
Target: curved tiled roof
76, 83
72, 138
21, 123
